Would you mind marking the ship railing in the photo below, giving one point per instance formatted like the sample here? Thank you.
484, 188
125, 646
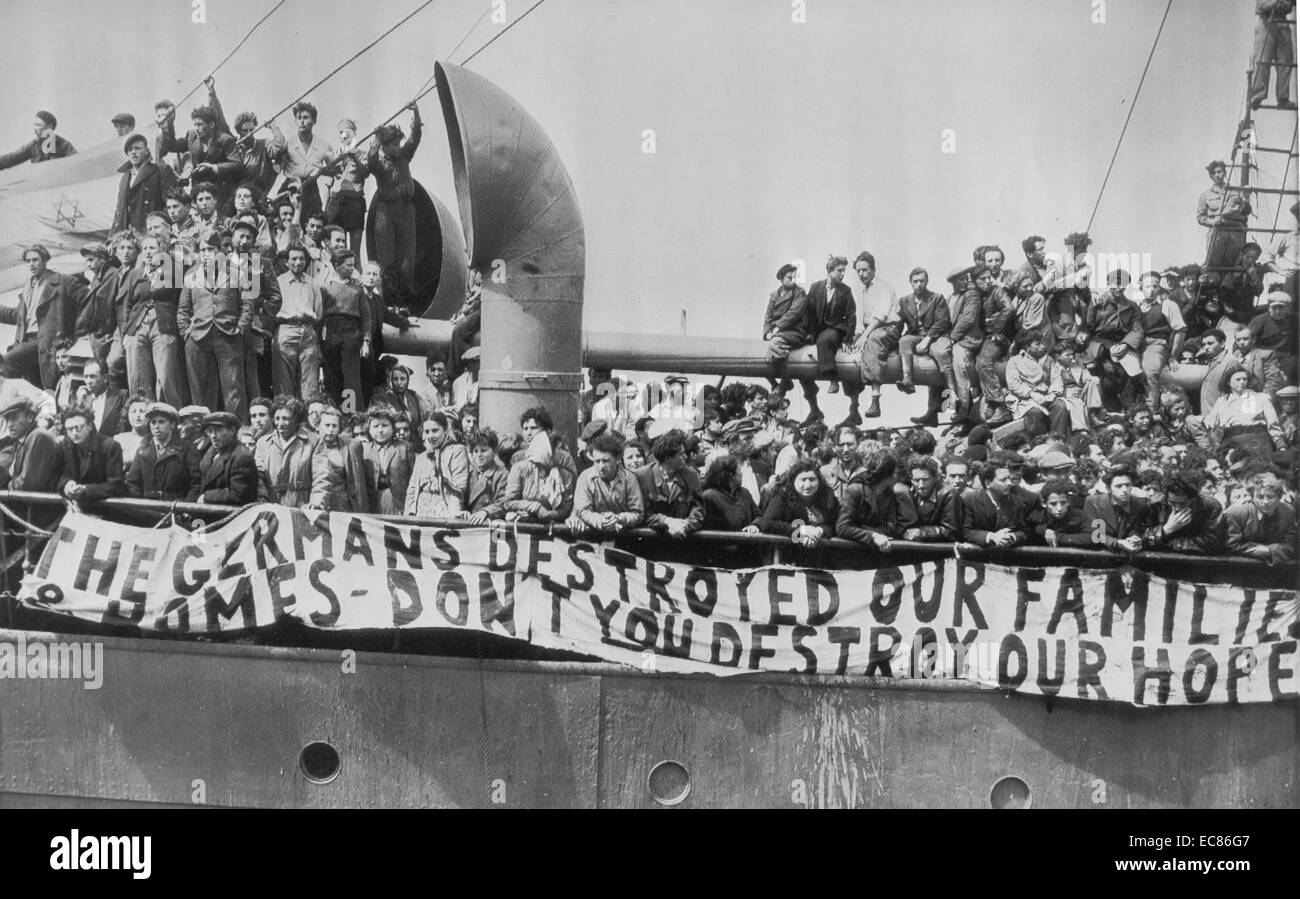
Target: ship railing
722, 549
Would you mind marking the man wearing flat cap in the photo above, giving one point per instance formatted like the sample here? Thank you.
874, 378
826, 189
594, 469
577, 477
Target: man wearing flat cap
737, 441
227, 472
45, 146
143, 188
189, 426
1288, 405
123, 124
165, 467
37, 460
1275, 329
47, 314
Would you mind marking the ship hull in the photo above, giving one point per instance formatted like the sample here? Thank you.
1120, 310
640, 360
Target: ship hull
183, 724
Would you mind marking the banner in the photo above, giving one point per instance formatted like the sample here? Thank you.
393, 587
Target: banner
1120, 635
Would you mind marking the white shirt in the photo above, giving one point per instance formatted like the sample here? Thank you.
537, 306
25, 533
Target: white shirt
879, 301
97, 409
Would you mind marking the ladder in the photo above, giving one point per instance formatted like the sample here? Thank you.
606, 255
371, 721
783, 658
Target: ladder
1244, 162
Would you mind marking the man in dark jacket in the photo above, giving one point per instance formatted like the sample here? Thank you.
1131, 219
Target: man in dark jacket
1264, 527
210, 153
255, 271
869, 513
670, 488
144, 185
45, 146
928, 511
995, 515
1187, 521
149, 333
784, 322
967, 336
227, 473
1111, 331
106, 405
1117, 519
92, 462
212, 316
832, 316
37, 461
165, 467
47, 314
926, 325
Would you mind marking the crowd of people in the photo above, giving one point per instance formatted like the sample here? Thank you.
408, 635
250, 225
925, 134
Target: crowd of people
260, 376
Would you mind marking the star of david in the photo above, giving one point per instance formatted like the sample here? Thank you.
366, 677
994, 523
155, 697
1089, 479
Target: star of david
62, 214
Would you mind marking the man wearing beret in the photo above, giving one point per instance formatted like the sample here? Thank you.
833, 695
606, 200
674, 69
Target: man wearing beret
165, 467
97, 286
227, 472
143, 188
47, 314
45, 146
213, 315
784, 322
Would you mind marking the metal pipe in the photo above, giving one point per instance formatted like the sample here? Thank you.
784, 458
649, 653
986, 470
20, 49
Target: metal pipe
1029, 555
743, 357
524, 233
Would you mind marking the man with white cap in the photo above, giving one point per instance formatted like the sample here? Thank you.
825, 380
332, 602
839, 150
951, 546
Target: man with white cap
190, 427
1275, 329
1288, 405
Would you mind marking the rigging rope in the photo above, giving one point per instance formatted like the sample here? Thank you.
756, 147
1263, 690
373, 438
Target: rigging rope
1286, 173
339, 68
454, 50
432, 83
182, 100
502, 32
1129, 117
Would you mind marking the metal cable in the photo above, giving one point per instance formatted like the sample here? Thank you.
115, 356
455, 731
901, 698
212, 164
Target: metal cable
1129, 117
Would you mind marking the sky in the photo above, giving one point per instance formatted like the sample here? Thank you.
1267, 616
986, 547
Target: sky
775, 140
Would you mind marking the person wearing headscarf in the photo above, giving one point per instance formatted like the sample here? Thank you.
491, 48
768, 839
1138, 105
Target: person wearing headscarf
440, 475
538, 487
